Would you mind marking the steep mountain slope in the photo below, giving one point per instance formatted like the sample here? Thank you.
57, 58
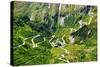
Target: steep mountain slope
46, 33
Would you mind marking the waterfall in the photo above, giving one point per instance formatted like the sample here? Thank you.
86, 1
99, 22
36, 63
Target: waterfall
90, 19
80, 23
59, 13
59, 9
62, 21
48, 5
71, 39
31, 18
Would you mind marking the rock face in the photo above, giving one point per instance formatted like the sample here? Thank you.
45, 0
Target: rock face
83, 33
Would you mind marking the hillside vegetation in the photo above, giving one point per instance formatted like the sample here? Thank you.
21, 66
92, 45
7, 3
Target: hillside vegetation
47, 33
